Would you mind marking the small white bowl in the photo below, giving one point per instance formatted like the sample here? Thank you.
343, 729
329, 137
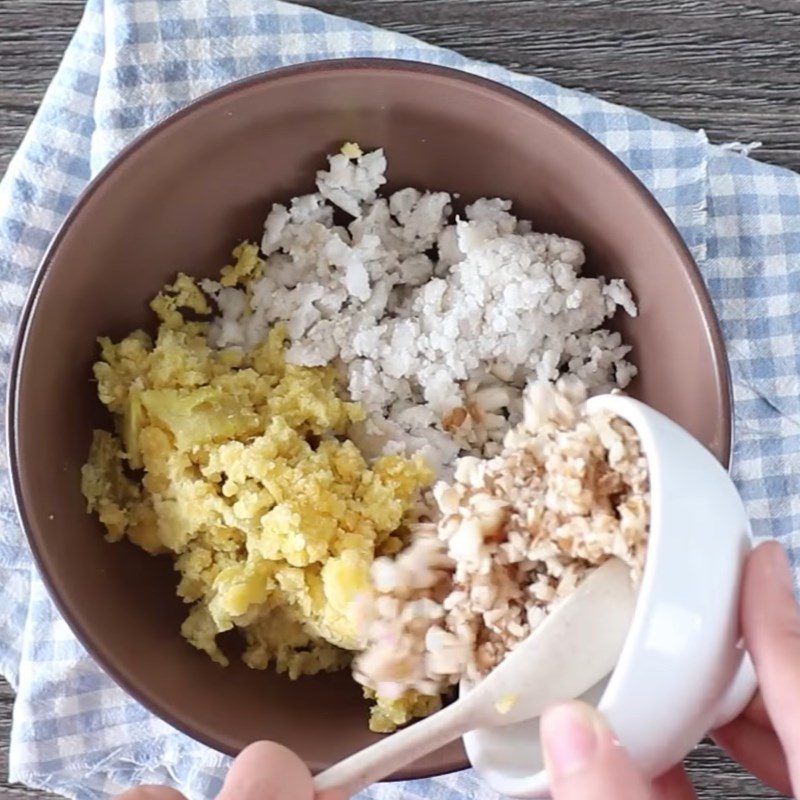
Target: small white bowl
682, 671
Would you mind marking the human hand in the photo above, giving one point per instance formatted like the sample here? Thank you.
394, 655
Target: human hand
765, 739
583, 759
585, 762
262, 771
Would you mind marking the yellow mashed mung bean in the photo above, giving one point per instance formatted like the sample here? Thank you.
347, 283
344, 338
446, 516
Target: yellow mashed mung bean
237, 465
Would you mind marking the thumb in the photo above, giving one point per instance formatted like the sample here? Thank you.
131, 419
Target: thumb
267, 771
584, 761
771, 623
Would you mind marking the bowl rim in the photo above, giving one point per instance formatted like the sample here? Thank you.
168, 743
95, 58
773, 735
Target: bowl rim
375, 66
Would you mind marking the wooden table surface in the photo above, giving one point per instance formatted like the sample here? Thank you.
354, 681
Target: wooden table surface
729, 66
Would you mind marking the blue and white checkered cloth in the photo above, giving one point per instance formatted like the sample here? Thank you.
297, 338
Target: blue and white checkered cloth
133, 62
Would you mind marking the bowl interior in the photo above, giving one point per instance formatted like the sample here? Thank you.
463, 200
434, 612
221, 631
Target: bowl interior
180, 199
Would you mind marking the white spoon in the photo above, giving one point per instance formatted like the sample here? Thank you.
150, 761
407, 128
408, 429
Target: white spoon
576, 646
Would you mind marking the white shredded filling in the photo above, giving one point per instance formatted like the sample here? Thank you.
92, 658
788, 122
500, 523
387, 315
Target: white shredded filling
437, 321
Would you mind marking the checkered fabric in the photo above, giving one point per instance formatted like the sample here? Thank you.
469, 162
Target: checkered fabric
132, 63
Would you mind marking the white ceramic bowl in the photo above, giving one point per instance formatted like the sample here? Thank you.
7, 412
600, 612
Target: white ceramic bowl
682, 671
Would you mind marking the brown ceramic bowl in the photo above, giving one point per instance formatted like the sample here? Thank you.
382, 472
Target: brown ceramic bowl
179, 198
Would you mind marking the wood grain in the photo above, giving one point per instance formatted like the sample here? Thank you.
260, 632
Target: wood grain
729, 66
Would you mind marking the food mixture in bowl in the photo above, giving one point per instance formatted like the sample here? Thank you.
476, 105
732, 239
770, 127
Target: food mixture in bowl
363, 445
514, 534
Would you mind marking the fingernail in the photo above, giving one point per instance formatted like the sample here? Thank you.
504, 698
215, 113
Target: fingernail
570, 738
781, 570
